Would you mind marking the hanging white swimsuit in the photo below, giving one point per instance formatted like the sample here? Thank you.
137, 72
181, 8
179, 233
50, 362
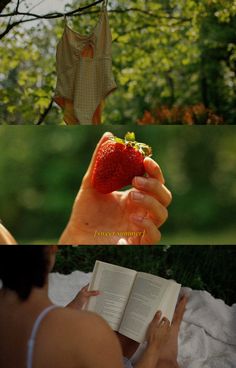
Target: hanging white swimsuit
31, 342
84, 72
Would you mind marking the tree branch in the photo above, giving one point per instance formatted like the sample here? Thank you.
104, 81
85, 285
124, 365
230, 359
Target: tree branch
9, 28
45, 113
150, 14
17, 5
140, 28
78, 11
53, 15
3, 4
37, 16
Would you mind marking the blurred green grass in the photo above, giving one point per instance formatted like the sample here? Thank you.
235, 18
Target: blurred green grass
203, 267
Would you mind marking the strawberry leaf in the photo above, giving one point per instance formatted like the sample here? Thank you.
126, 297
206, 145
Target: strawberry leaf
130, 136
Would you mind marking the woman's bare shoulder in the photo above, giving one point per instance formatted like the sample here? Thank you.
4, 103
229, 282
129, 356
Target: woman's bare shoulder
70, 321
86, 336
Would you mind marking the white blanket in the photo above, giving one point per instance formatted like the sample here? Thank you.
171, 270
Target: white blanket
208, 332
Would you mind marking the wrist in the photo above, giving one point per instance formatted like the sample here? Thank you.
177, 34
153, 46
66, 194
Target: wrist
150, 357
75, 304
153, 351
68, 236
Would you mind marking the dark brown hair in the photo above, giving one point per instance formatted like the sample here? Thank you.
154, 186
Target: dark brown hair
23, 267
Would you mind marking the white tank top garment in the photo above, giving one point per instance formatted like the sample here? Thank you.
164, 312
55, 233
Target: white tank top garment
84, 72
31, 342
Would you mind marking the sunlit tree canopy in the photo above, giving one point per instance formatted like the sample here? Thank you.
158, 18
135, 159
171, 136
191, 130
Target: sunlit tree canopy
167, 54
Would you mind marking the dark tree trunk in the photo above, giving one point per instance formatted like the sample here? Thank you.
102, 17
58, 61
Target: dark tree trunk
170, 82
204, 82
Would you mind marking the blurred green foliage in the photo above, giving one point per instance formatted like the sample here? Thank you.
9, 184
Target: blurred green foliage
166, 52
41, 170
210, 268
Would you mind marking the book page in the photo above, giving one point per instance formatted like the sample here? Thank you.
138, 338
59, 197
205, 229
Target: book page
169, 301
115, 284
145, 299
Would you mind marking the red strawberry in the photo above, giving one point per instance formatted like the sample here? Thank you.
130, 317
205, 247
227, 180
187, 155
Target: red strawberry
117, 162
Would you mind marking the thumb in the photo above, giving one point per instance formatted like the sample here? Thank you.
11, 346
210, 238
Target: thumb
88, 176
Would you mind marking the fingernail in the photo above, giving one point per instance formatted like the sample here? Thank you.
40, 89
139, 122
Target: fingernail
140, 182
165, 320
136, 218
137, 196
122, 242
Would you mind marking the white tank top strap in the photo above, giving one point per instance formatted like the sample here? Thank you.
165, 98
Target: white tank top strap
31, 342
127, 363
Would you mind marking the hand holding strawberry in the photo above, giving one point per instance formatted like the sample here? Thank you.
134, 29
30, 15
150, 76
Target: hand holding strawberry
102, 218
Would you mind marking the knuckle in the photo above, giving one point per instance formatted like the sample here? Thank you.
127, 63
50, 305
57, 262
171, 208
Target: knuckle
154, 238
158, 237
156, 166
165, 215
169, 198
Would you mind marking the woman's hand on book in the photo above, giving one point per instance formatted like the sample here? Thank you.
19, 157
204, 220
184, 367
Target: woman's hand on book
121, 217
158, 331
82, 298
157, 335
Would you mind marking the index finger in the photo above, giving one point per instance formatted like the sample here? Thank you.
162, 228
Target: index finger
93, 293
85, 288
87, 177
153, 169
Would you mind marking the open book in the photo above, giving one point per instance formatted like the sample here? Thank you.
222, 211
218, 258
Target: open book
129, 299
